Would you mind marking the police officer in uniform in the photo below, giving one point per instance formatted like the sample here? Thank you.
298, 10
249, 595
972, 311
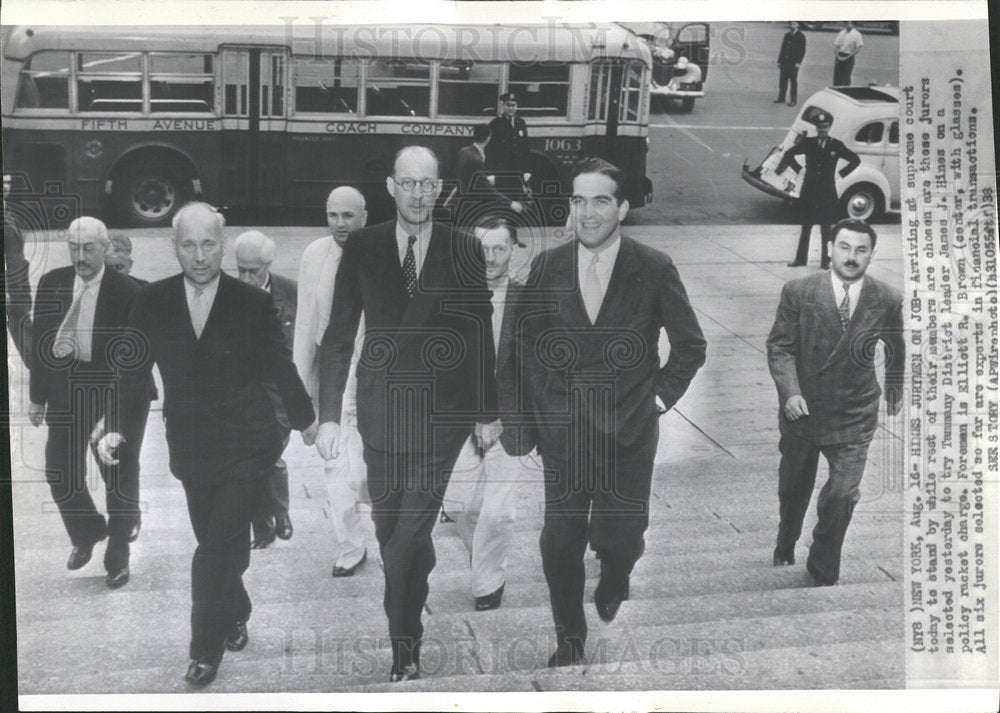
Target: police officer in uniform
818, 199
507, 151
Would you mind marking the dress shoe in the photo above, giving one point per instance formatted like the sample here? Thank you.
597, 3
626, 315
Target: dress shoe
133, 534
339, 571
283, 527
780, 559
818, 579
795, 263
81, 555
200, 673
237, 638
404, 673
791, 103
264, 534
567, 654
117, 578
778, 101
490, 601
611, 591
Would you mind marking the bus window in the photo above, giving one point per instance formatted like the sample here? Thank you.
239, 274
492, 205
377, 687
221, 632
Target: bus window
325, 85
631, 92
600, 83
236, 78
44, 81
542, 88
109, 81
181, 82
468, 89
398, 87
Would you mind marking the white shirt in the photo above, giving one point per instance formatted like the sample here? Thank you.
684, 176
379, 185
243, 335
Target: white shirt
88, 306
207, 300
498, 299
419, 247
605, 263
853, 290
848, 42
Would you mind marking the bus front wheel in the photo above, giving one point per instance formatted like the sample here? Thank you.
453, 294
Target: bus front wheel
149, 195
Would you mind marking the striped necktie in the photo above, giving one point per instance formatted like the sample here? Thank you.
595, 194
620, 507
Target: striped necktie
845, 308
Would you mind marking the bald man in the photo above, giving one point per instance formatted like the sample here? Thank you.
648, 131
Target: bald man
254, 255
217, 343
80, 317
345, 474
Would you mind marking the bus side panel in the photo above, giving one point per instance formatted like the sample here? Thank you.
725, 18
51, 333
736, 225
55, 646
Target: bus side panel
43, 179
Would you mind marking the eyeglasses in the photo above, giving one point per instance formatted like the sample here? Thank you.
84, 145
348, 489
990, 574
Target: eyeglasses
427, 185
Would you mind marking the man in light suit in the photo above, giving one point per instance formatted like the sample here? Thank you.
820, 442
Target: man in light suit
254, 255
480, 494
821, 355
425, 377
590, 319
80, 316
218, 344
345, 474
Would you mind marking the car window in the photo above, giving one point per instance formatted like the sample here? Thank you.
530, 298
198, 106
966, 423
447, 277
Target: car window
894, 133
811, 112
870, 133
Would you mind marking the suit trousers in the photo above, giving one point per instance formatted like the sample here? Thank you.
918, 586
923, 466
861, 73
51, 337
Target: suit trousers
274, 500
480, 498
66, 452
346, 490
600, 494
842, 69
834, 506
220, 515
802, 253
788, 78
406, 491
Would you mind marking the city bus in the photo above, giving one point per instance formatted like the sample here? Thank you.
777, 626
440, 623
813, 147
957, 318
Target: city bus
128, 123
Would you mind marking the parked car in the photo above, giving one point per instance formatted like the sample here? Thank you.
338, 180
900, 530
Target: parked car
866, 119
680, 59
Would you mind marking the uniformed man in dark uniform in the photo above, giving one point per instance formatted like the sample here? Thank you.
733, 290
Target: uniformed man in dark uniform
507, 151
818, 199
790, 56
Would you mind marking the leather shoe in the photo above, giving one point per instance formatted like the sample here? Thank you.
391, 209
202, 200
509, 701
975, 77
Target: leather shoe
238, 637
406, 673
611, 591
133, 534
778, 101
791, 103
283, 527
265, 538
339, 571
795, 263
81, 555
117, 578
818, 579
200, 673
567, 654
780, 559
490, 601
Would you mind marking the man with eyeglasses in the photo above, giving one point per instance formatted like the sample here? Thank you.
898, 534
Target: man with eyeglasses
81, 313
425, 379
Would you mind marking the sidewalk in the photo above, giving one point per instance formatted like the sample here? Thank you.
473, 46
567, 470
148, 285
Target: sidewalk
707, 610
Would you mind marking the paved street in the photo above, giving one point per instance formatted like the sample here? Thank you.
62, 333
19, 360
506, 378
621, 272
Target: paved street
707, 611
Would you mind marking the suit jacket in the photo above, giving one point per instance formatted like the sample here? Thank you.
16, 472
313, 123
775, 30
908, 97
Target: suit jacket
435, 348
562, 353
508, 146
834, 370
793, 49
17, 289
519, 432
284, 294
220, 420
51, 379
819, 187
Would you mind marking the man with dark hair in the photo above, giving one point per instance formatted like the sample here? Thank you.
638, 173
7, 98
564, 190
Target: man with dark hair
477, 194
821, 355
817, 201
790, 56
846, 46
507, 151
424, 378
590, 319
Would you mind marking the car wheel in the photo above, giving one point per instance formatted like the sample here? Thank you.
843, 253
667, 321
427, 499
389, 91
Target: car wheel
863, 202
687, 104
149, 195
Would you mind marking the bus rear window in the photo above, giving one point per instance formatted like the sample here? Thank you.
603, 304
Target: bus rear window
44, 81
181, 82
109, 81
468, 88
325, 85
398, 87
542, 88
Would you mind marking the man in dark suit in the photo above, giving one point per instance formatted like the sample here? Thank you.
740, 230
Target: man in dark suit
217, 343
17, 287
790, 56
480, 495
424, 377
477, 194
507, 151
254, 255
818, 198
821, 356
80, 317
590, 318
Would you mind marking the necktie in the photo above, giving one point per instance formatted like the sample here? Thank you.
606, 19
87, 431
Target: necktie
593, 295
845, 308
410, 267
198, 314
67, 340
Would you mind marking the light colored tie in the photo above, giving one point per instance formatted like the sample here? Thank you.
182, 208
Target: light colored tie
593, 295
68, 339
845, 308
198, 313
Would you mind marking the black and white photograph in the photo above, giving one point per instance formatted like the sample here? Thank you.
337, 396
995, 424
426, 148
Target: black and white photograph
499, 356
